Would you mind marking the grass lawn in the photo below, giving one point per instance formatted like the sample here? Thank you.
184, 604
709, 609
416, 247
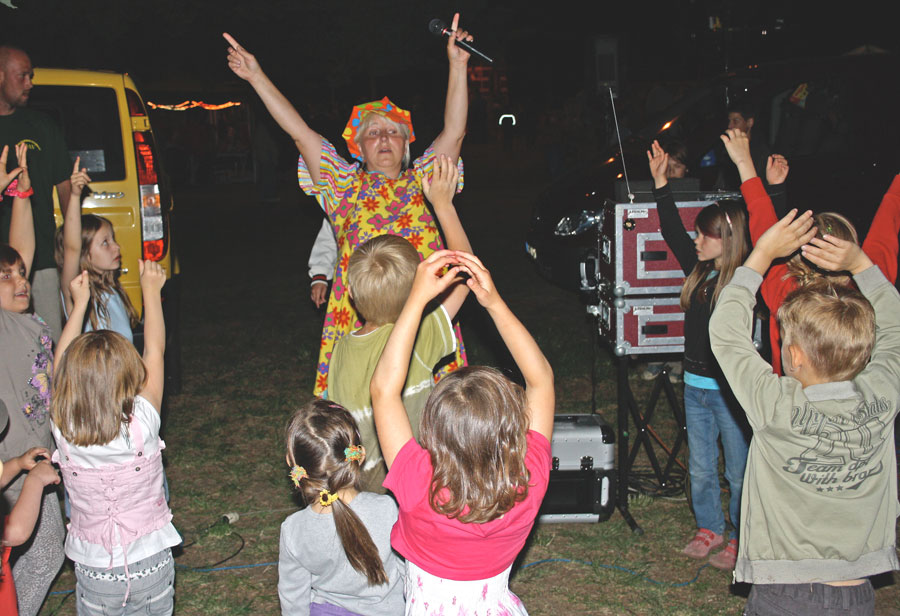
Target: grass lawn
250, 340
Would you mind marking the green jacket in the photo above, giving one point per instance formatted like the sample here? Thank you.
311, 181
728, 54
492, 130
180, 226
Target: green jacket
820, 487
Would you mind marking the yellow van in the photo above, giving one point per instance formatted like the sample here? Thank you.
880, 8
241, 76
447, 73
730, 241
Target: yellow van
104, 121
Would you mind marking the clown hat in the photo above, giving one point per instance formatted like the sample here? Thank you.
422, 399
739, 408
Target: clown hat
383, 107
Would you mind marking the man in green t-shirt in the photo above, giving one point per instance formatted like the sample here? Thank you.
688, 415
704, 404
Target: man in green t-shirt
48, 164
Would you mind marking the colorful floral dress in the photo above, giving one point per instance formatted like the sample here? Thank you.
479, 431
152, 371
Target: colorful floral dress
362, 205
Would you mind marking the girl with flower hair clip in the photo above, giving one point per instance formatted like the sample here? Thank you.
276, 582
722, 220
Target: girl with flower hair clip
335, 555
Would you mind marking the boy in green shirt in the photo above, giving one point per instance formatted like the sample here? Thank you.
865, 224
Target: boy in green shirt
380, 275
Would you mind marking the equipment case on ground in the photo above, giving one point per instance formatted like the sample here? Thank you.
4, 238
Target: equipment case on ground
582, 476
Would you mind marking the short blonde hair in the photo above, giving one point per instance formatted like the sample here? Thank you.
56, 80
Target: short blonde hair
380, 274
364, 126
94, 388
833, 324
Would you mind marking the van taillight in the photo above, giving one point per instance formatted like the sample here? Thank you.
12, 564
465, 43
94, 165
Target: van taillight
152, 223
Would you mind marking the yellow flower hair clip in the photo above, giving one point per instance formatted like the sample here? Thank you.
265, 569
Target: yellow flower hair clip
326, 498
354, 452
298, 473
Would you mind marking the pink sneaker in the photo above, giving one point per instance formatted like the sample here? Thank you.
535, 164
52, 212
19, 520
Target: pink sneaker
704, 541
726, 558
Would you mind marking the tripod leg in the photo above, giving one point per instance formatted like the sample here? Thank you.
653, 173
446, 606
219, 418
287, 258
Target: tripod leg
624, 470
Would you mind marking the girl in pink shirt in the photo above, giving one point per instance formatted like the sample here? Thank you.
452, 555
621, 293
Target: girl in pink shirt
469, 494
105, 411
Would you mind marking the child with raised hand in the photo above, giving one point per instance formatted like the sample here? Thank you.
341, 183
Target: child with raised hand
708, 261
380, 273
106, 423
820, 495
89, 244
335, 555
18, 527
881, 243
470, 492
26, 358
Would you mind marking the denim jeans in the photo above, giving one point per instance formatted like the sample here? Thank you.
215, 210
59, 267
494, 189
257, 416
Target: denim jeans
711, 413
152, 593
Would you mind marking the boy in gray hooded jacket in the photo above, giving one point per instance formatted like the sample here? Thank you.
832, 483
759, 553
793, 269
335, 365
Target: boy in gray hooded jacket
819, 505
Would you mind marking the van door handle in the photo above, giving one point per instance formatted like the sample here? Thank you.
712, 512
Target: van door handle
107, 195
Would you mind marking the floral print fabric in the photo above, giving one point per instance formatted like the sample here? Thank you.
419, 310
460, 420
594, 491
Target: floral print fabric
360, 206
429, 595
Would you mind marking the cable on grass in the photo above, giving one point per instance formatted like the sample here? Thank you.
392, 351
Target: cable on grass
618, 568
643, 481
215, 564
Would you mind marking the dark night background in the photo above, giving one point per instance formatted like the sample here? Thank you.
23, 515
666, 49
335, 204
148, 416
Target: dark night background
359, 50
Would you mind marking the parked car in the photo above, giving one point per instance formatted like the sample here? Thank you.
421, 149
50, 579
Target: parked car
835, 119
104, 121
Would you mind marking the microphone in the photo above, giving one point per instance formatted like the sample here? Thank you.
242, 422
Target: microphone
439, 28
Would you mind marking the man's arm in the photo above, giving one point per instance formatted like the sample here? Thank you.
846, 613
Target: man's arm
63, 191
322, 260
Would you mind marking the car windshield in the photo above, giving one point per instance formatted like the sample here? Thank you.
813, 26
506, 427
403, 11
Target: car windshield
89, 118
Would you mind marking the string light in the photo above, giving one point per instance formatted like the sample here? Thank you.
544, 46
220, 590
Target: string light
184, 106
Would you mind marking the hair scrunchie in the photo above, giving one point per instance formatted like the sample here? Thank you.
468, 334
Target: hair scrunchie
354, 452
297, 474
326, 498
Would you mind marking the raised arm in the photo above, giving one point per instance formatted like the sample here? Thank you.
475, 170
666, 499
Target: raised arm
153, 277
670, 223
308, 141
440, 191
881, 240
21, 224
539, 389
391, 421
80, 290
72, 232
6, 177
456, 108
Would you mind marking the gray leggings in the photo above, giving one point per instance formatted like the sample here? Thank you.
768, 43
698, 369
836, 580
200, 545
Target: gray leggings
39, 560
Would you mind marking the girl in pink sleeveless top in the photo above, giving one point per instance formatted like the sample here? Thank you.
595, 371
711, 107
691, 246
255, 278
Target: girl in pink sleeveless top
105, 410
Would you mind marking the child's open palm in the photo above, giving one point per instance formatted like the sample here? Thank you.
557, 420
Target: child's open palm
442, 186
659, 162
737, 144
836, 255
6, 177
787, 235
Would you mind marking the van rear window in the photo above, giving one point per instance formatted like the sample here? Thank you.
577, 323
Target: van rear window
89, 118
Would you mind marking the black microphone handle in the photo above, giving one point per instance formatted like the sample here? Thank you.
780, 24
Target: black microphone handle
465, 45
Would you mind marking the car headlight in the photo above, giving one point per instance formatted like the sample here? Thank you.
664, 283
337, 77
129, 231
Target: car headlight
578, 223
